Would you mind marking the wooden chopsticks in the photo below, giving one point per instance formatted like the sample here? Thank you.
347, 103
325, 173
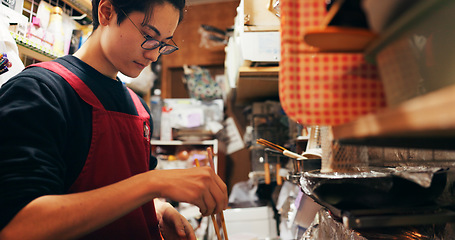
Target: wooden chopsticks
212, 165
215, 224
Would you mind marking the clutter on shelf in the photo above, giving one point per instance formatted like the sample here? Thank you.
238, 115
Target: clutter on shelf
191, 119
45, 31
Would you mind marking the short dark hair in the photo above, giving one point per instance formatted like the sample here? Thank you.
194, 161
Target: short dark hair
128, 6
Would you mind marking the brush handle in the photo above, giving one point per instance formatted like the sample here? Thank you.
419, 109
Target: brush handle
279, 181
267, 173
291, 154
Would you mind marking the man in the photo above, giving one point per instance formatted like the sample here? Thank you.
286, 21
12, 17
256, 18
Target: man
74, 142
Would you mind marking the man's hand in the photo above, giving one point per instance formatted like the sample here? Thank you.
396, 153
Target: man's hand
172, 224
199, 186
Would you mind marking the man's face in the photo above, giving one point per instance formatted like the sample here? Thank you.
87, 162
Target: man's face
122, 44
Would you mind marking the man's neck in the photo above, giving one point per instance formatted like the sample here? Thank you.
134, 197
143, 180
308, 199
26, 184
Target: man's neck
91, 53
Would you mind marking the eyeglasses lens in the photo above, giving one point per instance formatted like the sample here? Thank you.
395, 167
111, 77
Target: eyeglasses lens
167, 49
151, 44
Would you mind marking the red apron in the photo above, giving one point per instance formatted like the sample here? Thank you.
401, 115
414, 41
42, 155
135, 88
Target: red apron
120, 148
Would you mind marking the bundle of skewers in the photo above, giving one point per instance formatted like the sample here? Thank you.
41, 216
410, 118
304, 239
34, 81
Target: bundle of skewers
280, 149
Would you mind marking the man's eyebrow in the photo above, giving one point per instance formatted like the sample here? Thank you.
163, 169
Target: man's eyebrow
157, 31
154, 29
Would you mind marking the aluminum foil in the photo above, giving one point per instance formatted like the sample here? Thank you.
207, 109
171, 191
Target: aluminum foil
379, 178
420, 175
374, 187
325, 227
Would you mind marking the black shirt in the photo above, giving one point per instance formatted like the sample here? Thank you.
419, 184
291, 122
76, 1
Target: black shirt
45, 131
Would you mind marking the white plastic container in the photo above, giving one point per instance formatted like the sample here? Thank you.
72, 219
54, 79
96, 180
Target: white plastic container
250, 223
261, 46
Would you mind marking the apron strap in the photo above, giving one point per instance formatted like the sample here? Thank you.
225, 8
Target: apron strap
140, 108
78, 85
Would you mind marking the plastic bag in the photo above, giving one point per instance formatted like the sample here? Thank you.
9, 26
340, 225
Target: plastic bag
200, 83
212, 37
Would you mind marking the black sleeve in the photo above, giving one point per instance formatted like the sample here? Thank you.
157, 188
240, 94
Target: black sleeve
32, 130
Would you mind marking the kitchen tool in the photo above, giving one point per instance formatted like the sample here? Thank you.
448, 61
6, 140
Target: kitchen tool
333, 10
303, 164
314, 144
271, 152
223, 223
278, 147
373, 188
274, 7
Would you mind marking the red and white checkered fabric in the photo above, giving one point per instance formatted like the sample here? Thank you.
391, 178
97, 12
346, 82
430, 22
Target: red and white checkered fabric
322, 88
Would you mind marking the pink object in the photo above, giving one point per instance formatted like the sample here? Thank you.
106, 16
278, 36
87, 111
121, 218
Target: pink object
36, 21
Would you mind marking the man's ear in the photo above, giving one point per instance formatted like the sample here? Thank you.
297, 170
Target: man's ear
105, 12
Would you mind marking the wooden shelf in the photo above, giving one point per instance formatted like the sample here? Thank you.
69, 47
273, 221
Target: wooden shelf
256, 83
259, 71
261, 28
34, 54
422, 119
32, 49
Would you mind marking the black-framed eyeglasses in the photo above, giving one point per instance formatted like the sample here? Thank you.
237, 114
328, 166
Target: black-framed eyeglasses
151, 43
